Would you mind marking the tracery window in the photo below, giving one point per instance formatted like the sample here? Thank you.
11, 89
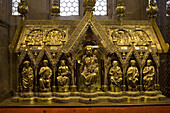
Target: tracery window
15, 7
100, 7
69, 7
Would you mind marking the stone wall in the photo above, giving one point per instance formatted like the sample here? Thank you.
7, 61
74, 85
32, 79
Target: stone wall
163, 22
4, 53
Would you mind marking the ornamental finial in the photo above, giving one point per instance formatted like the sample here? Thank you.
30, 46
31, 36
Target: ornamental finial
120, 11
23, 8
152, 9
55, 10
88, 5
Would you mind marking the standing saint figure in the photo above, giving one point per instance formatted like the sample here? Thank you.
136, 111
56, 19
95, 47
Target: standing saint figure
63, 75
115, 73
27, 77
89, 68
132, 76
45, 77
149, 72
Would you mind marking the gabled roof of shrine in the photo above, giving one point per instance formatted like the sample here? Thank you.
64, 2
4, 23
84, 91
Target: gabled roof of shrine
72, 30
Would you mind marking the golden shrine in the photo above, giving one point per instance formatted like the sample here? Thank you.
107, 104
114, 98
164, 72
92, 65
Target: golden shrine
88, 60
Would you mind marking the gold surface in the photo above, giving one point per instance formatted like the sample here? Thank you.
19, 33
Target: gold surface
77, 56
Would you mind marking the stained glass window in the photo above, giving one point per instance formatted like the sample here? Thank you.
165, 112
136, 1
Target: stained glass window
100, 7
15, 7
69, 7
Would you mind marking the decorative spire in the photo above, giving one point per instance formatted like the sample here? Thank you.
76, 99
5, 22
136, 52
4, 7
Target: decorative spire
23, 8
88, 5
55, 10
152, 9
120, 11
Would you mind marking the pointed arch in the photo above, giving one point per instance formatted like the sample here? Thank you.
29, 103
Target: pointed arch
43, 52
88, 20
23, 55
136, 55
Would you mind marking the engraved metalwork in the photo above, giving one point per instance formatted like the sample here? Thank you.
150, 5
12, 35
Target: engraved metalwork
89, 69
149, 75
63, 78
45, 77
27, 77
88, 60
132, 76
116, 74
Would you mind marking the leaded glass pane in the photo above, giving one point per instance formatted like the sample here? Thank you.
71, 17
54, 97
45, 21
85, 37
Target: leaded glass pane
100, 7
69, 7
15, 7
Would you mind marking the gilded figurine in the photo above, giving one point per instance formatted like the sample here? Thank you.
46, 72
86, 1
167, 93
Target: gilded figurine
149, 72
45, 77
132, 76
27, 77
90, 69
63, 75
115, 77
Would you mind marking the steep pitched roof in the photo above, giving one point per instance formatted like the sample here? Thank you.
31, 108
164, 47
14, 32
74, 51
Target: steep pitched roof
79, 28
89, 20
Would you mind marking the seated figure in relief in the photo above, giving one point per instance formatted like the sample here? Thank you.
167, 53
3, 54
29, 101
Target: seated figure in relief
132, 76
45, 77
63, 75
27, 77
149, 73
89, 69
115, 76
